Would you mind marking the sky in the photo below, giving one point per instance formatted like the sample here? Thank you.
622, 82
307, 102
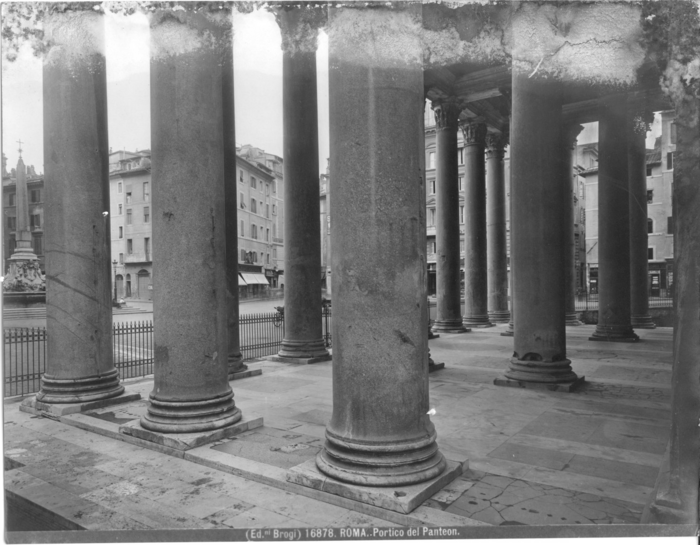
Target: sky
258, 90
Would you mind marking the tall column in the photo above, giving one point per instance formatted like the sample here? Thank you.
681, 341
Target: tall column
639, 236
449, 312
303, 334
79, 363
537, 241
191, 392
614, 320
497, 260
475, 277
570, 134
380, 433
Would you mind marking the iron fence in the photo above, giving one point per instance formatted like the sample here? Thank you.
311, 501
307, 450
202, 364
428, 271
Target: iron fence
662, 298
132, 346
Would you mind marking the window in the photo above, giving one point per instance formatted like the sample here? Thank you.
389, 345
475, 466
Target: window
432, 187
461, 246
274, 187
147, 248
35, 221
13, 243
431, 217
253, 182
146, 192
129, 246
261, 207
431, 160
274, 230
669, 160
255, 257
120, 210
254, 231
146, 214
650, 226
38, 244
267, 258
669, 225
35, 195
128, 216
241, 200
242, 231
431, 247
253, 206
650, 195
673, 134
121, 232
267, 210
274, 209
11, 199
121, 258
461, 156
240, 176
119, 187
649, 170
650, 253
128, 197
242, 251
274, 253
11, 223
461, 183
267, 235
461, 214
267, 189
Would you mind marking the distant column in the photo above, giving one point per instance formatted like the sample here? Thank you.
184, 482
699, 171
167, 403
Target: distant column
79, 362
614, 317
449, 312
191, 392
639, 236
570, 134
497, 258
303, 333
475, 276
537, 243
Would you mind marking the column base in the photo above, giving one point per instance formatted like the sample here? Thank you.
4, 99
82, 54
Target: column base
402, 499
571, 319
79, 390
450, 326
304, 350
543, 372
302, 361
244, 373
432, 366
643, 322
32, 406
620, 334
556, 387
477, 321
432, 335
499, 316
192, 416
510, 332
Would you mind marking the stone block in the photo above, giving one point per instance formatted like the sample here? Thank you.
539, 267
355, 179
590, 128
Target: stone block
245, 374
302, 361
402, 499
187, 441
31, 405
436, 367
552, 387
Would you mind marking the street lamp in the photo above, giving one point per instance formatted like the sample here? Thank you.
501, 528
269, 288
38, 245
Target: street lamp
114, 265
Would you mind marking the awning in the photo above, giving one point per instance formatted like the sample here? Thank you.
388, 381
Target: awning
255, 278
241, 282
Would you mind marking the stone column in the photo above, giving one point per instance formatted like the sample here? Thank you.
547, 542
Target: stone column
614, 320
497, 259
191, 392
570, 134
380, 433
475, 277
303, 334
537, 241
449, 312
639, 237
79, 364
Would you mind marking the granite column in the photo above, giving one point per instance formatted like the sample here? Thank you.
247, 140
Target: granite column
449, 312
303, 334
614, 318
475, 267
570, 134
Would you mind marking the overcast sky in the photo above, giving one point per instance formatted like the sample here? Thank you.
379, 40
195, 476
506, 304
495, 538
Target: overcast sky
258, 88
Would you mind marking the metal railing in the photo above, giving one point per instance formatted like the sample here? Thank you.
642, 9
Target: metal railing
132, 343
661, 298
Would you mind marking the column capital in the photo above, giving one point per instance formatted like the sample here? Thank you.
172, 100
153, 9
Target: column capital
474, 133
570, 133
496, 143
299, 26
446, 113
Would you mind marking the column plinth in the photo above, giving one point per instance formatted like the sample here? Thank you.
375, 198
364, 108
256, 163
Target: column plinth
497, 260
537, 241
475, 267
380, 434
303, 332
79, 363
570, 134
448, 309
614, 323
191, 392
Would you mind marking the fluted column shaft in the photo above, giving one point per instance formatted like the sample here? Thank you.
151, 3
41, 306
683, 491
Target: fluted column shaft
614, 323
475, 275
449, 312
191, 391
537, 241
497, 259
380, 433
639, 236
303, 334
79, 364
570, 134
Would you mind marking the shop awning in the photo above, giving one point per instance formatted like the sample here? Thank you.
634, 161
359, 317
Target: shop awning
254, 278
241, 282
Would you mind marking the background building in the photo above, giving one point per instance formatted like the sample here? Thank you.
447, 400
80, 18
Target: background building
325, 219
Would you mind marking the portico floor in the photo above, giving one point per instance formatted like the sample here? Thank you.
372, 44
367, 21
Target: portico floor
589, 457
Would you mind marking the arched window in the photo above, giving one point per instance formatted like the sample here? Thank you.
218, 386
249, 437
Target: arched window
650, 226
